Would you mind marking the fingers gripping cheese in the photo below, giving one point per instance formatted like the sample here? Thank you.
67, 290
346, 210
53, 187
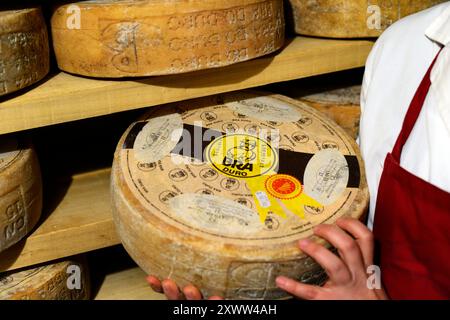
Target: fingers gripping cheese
20, 191
24, 51
217, 191
122, 38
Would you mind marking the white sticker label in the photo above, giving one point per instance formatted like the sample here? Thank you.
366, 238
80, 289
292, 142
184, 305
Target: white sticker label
263, 199
158, 138
266, 109
326, 176
215, 214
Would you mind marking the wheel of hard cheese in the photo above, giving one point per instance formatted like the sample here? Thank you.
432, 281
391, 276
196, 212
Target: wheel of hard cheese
217, 191
20, 190
66, 280
351, 18
24, 51
342, 105
122, 38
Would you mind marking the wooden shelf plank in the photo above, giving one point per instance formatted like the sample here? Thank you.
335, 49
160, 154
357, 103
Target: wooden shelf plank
80, 222
128, 284
64, 97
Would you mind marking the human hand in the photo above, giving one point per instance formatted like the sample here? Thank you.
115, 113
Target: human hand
347, 272
172, 292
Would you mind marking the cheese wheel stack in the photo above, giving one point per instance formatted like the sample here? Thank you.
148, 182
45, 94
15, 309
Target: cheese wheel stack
351, 18
342, 105
20, 191
24, 49
217, 191
66, 280
123, 38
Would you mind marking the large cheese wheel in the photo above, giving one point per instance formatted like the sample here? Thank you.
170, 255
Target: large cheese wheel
217, 191
351, 18
20, 190
24, 51
66, 280
122, 38
342, 105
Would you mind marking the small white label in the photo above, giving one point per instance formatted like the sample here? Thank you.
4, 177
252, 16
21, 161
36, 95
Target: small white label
263, 199
264, 108
326, 176
215, 214
158, 138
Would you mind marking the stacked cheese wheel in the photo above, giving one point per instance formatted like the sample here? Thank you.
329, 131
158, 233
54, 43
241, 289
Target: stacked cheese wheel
20, 190
217, 191
24, 50
123, 38
342, 105
351, 18
66, 280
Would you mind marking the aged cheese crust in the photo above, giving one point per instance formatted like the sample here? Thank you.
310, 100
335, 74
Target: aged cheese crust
156, 37
341, 105
20, 191
55, 281
24, 49
351, 18
195, 222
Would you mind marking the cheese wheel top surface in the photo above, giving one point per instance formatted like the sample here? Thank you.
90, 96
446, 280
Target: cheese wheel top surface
246, 169
141, 38
55, 281
349, 95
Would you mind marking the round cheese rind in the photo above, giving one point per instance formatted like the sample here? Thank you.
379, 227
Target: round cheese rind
66, 280
342, 105
351, 18
230, 227
20, 191
157, 37
24, 48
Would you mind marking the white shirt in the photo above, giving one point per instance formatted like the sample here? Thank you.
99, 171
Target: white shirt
394, 70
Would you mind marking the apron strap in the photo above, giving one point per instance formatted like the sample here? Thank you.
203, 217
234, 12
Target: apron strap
413, 112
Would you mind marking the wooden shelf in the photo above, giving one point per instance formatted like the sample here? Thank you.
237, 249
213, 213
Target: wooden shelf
128, 284
79, 223
63, 97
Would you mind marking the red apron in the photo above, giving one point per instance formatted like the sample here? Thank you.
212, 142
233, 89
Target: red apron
412, 222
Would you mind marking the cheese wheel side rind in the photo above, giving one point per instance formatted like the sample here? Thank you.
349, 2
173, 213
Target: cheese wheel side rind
20, 197
24, 54
351, 18
114, 39
54, 281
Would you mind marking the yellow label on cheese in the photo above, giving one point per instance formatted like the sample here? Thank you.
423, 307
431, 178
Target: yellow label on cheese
242, 156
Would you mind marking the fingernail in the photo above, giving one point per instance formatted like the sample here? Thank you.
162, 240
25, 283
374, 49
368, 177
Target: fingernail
304, 243
281, 281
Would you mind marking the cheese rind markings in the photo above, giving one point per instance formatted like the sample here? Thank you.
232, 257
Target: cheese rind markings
20, 191
24, 49
122, 38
